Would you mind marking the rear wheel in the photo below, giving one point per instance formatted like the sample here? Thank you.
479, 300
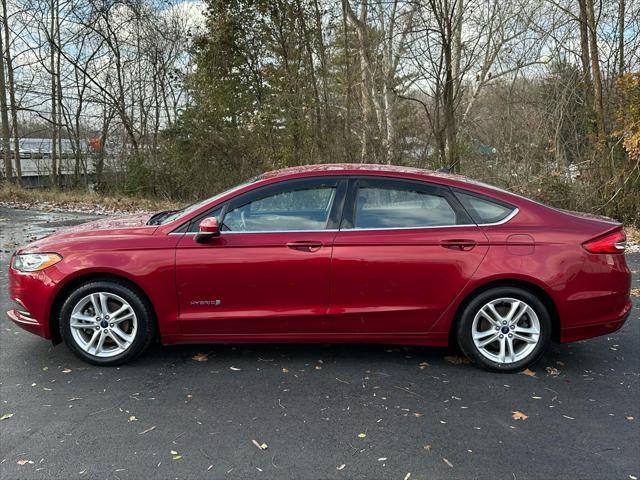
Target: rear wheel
504, 329
106, 323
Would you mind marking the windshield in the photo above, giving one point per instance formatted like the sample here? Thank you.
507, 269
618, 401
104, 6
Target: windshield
192, 208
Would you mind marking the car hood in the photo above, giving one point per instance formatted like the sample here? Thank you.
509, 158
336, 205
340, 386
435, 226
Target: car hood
112, 223
130, 225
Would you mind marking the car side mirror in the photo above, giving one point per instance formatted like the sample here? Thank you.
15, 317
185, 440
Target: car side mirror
207, 229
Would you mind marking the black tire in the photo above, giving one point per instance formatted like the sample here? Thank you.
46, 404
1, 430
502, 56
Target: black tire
464, 330
144, 314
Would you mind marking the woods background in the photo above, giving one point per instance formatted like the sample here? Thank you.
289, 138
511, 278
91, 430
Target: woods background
179, 99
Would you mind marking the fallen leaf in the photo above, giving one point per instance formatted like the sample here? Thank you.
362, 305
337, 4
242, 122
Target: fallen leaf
6, 416
553, 371
285, 370
177, 457
418, 414
635, 292
518, 415
200, 357
457, 359
427, 447
528, 373
67, 370
133, 418
24, 461
261, 446
631, 419
447, 462
362, 435
318, 367
424, 365
341, 467
235, 369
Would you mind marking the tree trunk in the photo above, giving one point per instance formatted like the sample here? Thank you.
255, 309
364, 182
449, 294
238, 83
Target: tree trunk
448, 94
621, 11
457, 41
584, 42
346, 131
598, 104
12, 95
4, 117
59, 89
54, 95
364, 79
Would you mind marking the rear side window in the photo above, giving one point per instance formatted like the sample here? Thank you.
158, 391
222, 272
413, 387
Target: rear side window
379, 207
483, 209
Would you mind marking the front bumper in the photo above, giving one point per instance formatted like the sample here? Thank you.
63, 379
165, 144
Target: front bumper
32, 295
27, 323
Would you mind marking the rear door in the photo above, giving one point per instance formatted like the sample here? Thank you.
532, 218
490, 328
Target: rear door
269, 270
404, 251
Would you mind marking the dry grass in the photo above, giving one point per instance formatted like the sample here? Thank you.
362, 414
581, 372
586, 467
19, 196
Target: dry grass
633, 234
81, 201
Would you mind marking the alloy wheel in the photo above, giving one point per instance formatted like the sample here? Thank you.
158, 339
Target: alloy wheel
103, 324
506, 330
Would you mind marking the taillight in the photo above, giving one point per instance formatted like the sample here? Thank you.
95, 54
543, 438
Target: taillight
614, 242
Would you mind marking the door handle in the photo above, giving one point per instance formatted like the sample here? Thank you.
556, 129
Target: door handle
463, 245
305, 245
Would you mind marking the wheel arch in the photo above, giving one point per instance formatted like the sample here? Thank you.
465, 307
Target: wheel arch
67, 288
532, 287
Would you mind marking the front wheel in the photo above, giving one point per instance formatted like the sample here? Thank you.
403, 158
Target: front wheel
106, 323
504, 329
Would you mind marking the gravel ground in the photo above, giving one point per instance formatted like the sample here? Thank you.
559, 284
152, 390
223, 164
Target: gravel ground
321, 411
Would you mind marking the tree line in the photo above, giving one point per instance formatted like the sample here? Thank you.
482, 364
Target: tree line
181, 99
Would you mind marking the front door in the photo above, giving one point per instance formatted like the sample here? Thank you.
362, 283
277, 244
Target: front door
269, 270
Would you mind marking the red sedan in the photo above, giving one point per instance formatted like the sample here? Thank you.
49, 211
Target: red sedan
331, 253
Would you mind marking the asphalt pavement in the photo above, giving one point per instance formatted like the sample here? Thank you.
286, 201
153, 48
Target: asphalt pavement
312, 411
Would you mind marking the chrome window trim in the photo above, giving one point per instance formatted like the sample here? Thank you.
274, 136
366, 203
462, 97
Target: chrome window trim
407, 228
503, 221
262, 231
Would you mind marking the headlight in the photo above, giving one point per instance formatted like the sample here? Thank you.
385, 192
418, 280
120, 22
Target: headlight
33, 262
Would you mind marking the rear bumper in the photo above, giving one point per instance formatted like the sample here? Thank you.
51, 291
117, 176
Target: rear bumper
582, 332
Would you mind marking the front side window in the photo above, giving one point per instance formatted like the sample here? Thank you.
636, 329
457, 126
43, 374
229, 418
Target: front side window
380, 207
296, 209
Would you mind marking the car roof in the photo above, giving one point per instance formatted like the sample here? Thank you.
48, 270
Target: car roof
382, 170
372, 169
347, 168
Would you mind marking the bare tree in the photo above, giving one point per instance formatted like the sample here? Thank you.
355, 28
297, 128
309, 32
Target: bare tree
12, 93
4, 117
